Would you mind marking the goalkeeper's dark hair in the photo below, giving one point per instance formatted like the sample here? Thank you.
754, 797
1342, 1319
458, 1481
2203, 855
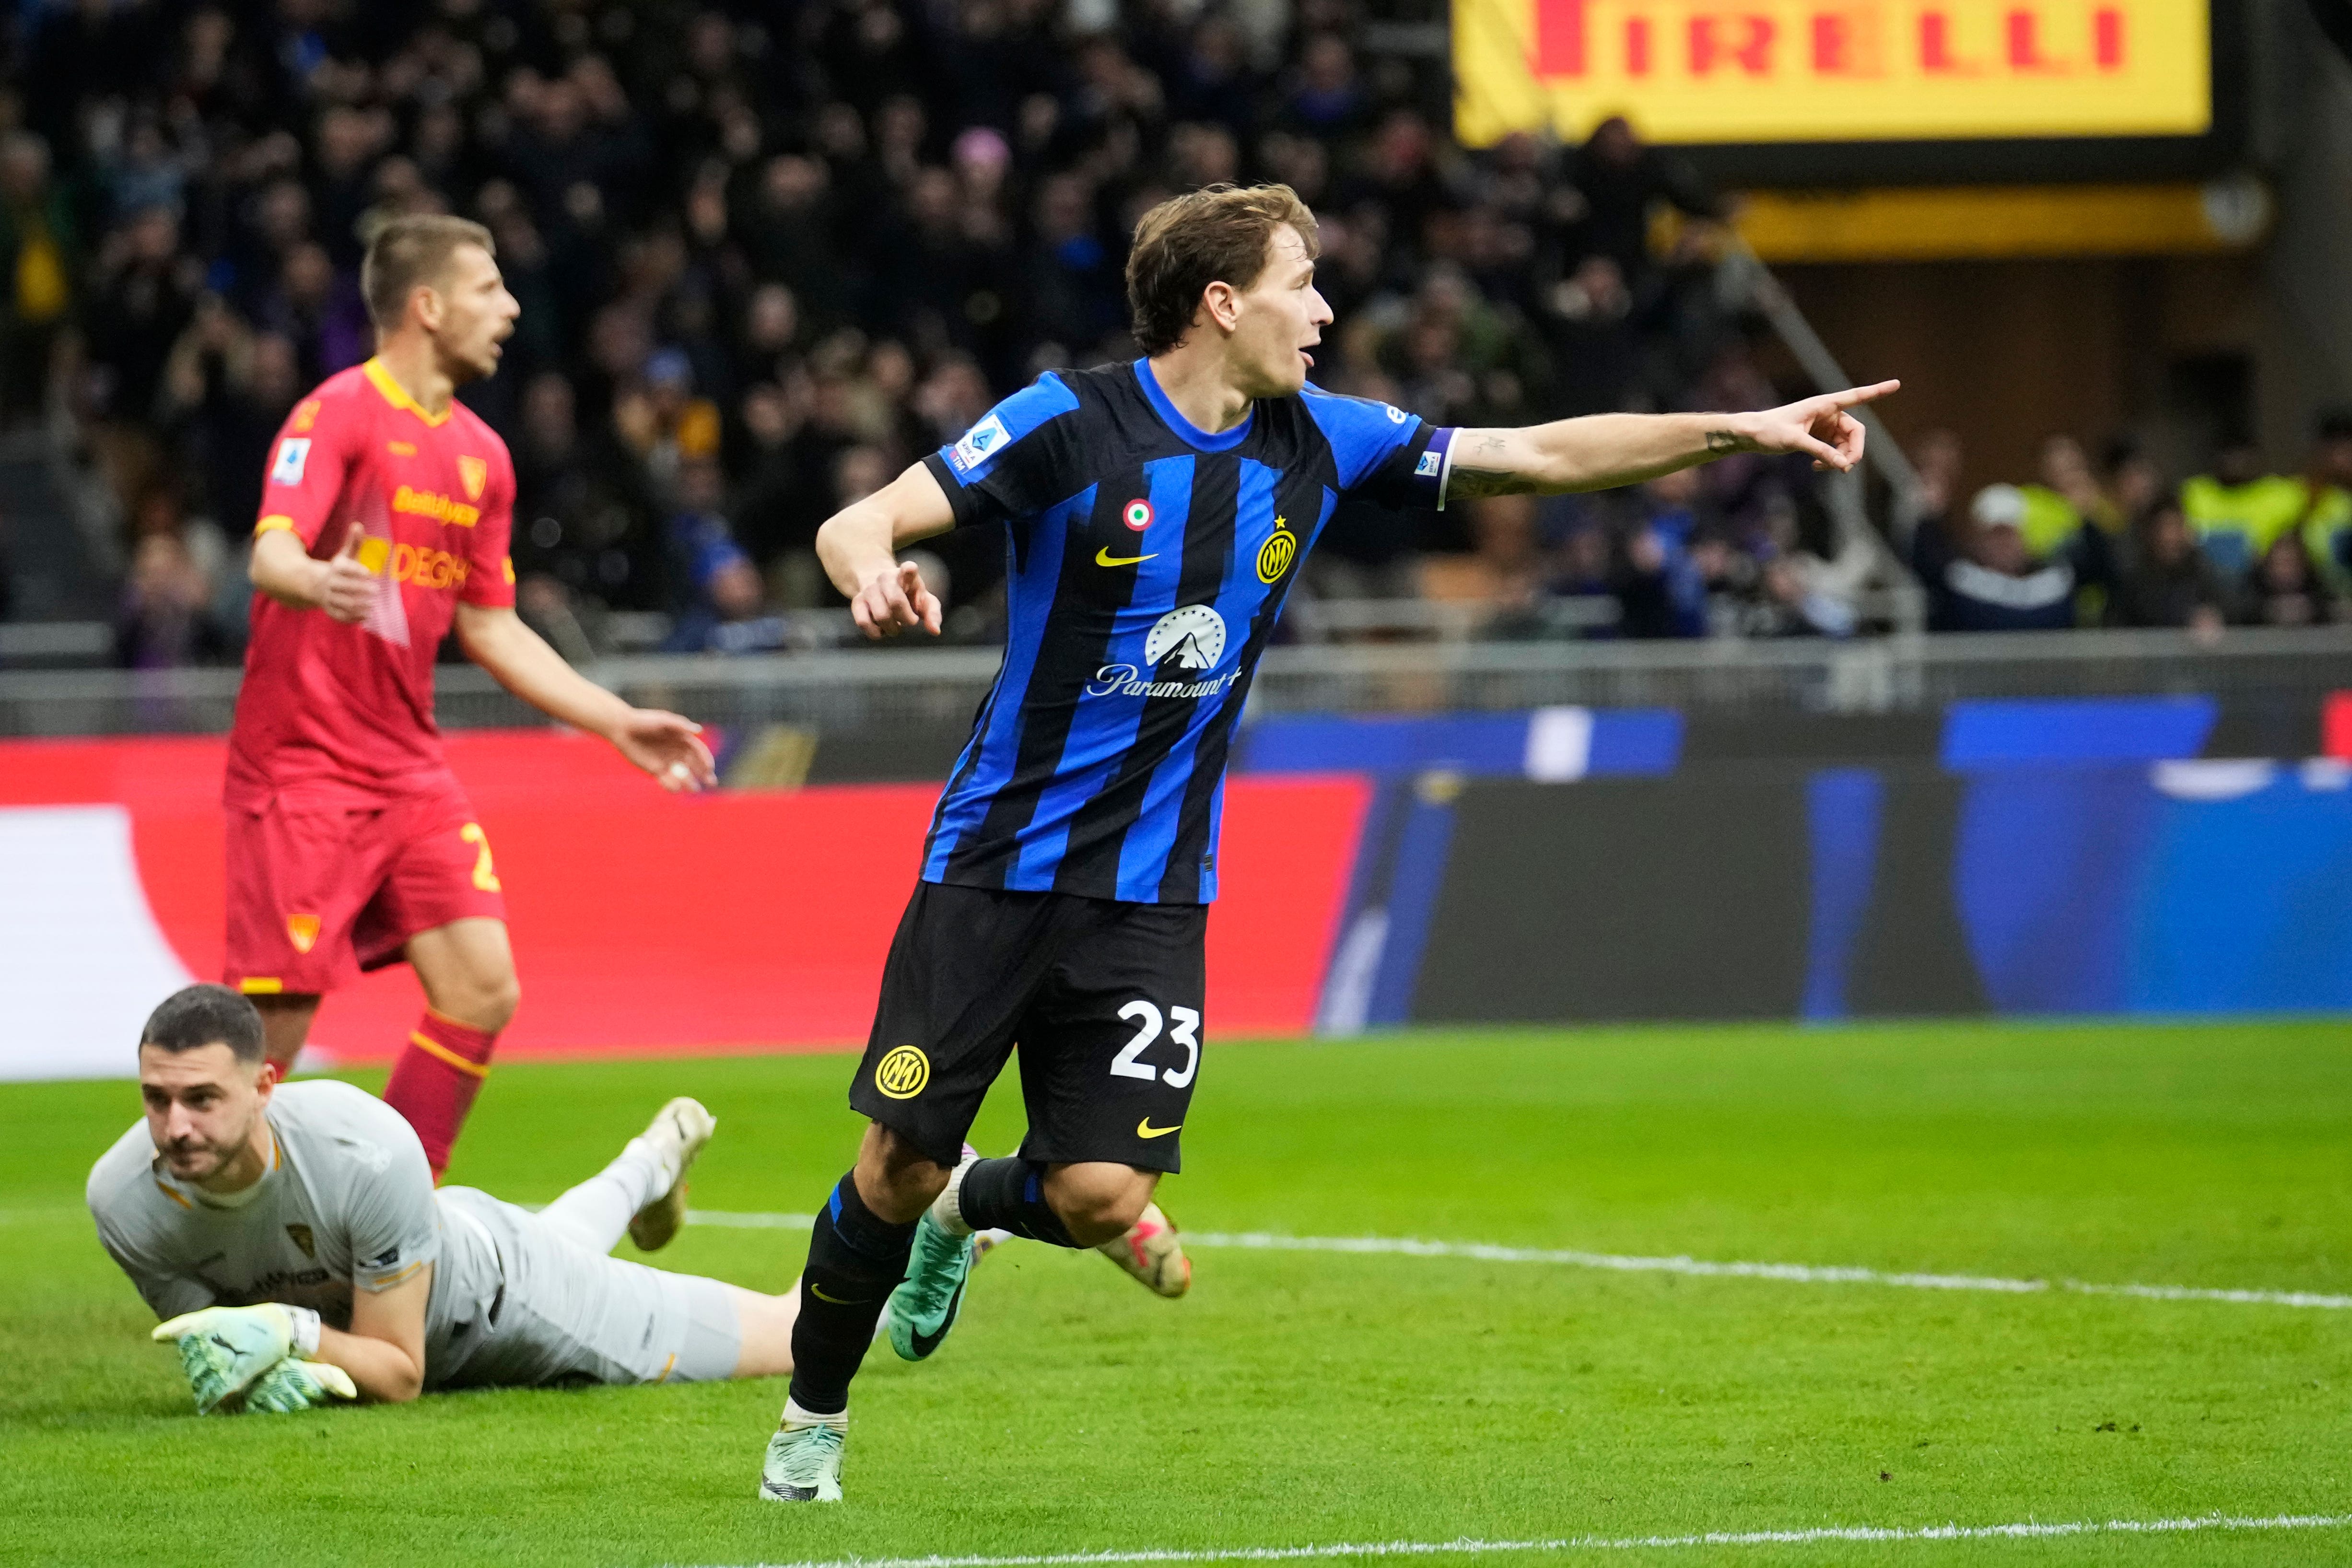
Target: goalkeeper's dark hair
1220, 234
201, 1015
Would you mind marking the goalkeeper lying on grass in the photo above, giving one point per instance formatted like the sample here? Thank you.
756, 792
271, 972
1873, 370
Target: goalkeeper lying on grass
292, 1238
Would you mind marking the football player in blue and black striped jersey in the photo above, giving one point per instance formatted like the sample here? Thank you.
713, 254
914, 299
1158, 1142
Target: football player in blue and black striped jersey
1156, 516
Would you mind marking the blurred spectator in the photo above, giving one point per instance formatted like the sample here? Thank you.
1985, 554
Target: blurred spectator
229, 392
1669, 564
1983, 576
1623, 180
2237, 510
1939, 459
166, 618
2068, 497
2286, 590
2164, 580
144, 295
2327, 523
2130, 481
584, 515
666, 424
39, 259
718, 609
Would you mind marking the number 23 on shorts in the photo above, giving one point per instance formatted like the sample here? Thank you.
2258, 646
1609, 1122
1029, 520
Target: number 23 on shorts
1183, 1026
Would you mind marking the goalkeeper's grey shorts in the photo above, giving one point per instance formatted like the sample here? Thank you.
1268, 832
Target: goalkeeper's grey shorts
565, 1314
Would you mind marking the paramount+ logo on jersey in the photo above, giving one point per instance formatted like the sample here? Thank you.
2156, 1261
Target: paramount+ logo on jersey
1182, 643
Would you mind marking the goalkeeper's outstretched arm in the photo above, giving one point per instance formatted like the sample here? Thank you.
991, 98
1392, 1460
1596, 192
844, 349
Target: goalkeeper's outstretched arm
385, 1349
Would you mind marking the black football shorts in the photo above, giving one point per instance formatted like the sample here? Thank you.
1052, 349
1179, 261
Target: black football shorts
1101, 995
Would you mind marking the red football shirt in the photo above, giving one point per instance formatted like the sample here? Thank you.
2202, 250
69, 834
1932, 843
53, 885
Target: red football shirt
333, 716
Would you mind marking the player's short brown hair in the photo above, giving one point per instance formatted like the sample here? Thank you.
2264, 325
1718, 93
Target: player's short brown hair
410, 250
198, 1015
1219, 234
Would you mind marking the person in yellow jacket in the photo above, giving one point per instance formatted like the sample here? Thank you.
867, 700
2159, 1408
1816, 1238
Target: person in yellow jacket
2238, 511
2326, 485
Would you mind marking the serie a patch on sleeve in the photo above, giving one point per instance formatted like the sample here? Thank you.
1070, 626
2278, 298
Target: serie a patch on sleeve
293, 454
978, 443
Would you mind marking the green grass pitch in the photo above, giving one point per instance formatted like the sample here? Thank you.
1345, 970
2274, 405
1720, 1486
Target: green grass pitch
1297, 1399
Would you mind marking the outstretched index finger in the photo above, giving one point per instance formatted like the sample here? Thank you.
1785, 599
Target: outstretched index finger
1853, 395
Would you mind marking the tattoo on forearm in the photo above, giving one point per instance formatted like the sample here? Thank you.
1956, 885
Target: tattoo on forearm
1721, 441
1469, 484
1480, 468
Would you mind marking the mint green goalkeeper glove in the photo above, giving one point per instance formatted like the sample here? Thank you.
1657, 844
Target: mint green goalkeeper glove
298, 1384
225, 1349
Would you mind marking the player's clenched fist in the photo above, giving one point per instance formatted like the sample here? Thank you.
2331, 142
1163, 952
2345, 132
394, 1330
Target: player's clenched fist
894, 600
346, 588
224, 1350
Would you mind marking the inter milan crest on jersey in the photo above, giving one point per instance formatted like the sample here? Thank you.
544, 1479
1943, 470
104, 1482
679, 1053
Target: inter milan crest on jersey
1274, 556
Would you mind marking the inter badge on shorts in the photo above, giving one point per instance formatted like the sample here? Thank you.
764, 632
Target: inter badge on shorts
902, 1072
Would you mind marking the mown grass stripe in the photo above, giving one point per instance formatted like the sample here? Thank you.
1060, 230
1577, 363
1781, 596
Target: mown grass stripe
1699, 1268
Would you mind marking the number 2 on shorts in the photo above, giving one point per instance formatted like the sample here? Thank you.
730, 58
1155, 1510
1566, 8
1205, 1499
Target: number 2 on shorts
1147, 1024
485, 878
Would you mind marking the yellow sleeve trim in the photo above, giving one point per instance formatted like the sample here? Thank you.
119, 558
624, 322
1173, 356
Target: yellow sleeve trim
273, 520
433, 1048
261, 985
389, 1281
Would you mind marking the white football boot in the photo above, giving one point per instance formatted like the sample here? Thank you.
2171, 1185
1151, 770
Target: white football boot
677, 1133
803, 1464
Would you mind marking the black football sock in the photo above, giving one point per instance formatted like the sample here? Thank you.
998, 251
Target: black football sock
1009, 1195
855, 1259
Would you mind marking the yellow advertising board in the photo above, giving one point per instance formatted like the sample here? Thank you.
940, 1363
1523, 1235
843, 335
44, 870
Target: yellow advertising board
1832, 70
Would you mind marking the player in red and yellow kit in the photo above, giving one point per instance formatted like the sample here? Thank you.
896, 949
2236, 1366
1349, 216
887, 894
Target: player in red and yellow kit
384, 522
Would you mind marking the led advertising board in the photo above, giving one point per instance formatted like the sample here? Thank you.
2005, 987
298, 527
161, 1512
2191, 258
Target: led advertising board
1761, 72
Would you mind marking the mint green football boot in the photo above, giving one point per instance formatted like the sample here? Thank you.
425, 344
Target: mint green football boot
923, 1308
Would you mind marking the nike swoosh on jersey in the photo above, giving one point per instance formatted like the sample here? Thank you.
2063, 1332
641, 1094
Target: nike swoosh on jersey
1144, 1129
1103, 557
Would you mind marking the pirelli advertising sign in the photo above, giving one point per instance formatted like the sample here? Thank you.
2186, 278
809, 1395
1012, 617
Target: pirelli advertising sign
1750, 72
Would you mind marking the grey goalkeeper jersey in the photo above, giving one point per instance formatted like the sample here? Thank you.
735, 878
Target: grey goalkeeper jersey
348, 1204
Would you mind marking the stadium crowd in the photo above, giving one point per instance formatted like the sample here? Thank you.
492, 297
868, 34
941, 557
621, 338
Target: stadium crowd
2111, 543
768, 254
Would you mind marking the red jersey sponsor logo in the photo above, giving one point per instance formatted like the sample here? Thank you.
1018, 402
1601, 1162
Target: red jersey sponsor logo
427, 567
438, 507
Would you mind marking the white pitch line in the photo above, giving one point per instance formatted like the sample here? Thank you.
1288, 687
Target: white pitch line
1697, 1267
2030, 1530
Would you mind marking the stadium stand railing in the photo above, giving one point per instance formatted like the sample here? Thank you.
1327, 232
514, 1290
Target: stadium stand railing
843, 689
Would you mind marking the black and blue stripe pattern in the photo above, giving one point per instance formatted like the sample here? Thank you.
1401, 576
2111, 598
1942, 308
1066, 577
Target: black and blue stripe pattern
1147, 563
